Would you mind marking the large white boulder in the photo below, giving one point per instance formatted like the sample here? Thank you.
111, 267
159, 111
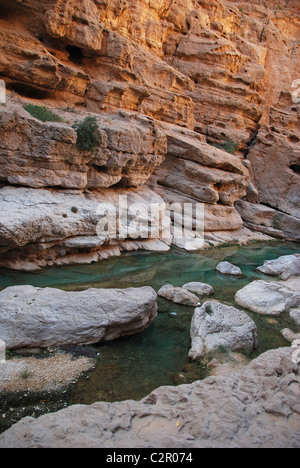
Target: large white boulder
285, 266
268, 298
36, 317
216, 325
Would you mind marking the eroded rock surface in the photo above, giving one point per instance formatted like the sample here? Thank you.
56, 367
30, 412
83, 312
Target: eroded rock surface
44, 154
217, 325
39, 227
236, 410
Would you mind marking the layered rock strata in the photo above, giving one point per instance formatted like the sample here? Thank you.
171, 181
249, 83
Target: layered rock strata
41, 227
40, 155
165, 80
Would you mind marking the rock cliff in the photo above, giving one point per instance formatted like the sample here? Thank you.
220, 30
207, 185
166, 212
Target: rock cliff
194, 99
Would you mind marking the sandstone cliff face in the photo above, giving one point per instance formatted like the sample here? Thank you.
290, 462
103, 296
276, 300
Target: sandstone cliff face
166, 80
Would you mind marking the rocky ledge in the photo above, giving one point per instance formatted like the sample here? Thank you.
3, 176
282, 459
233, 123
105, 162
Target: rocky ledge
257, 407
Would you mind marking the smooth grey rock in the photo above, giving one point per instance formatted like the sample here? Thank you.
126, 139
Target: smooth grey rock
200, 289
36, 317
215, 325
289, 335
267, 298
285, 266
231, 411
295, 315
178, 295
227, 268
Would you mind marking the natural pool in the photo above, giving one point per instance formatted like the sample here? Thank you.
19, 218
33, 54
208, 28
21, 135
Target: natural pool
130, 368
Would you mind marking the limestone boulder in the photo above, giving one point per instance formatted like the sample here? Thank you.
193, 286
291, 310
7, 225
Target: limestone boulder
226, 268
178, 295
286, 266
39, 318
200, 289
217, 325
290, 336
268, 298
295, 315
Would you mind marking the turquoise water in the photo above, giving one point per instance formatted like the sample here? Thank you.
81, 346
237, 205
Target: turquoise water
132, 367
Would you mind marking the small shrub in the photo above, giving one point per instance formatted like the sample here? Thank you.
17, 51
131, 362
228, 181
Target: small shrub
25, 374
229, 146
223, 350
74, 209
42, 113
209, 309
88, 135
64, 215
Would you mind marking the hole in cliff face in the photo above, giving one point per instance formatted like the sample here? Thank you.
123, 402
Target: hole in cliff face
295, 168
75, 54
7, 10
294, 139
28, 91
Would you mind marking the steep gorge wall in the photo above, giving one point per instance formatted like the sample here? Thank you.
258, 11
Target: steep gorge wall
166, 79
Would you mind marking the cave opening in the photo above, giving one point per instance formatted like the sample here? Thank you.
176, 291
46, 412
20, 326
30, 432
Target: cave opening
7, 10
294, 139
295, 168
28, 91
75, 54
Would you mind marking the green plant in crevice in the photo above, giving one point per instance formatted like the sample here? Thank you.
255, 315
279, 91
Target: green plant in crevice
208, 308
25, 374
229, 146
42, 113
88, 135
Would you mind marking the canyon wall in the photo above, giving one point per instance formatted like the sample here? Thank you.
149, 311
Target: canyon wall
193, 102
